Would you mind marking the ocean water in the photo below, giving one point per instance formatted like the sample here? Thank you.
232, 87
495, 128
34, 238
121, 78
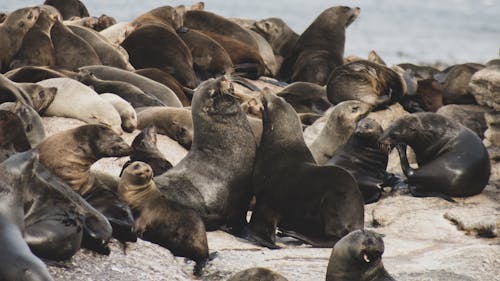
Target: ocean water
424, 31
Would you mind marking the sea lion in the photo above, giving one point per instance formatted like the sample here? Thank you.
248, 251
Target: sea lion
165, 15
37, 48
363, 80
452, 160
30, 120
469, 115
257, 273
320, 48
168, 80
108, 53
145, 150
306, 97
279, 35
12, 136
127, 113
69, 8
316, 204
455, 80
148, 86
155, 45
214, 176
41, 97
358, 257
117, 32
95, 23
132, 94
340, 124
72, 51
365, 159
374, 57
3, 16
12, 32
266, 53
161, 220
75, 100
210, 59
33, 74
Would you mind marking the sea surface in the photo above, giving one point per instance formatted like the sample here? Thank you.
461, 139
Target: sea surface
433, 32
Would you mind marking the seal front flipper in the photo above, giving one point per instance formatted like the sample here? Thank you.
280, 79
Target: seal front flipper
262, 227
417, 191
405, 165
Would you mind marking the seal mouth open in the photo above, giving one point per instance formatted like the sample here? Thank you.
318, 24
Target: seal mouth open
370, 257
354, 15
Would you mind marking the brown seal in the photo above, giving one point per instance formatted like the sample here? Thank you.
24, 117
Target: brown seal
320, 48
37, 48
33, 74
168, 80
452, 160
257, 273
358, 257
455, 80
316, 204
306, 97
363, 80
214, 177
12, 32
470, 115
30, 120
69, 8
161, 220
166, 15
13, 138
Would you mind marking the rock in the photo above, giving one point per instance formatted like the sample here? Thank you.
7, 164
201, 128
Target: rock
492, 134
469, 115
485, 86
480, 221
257, 273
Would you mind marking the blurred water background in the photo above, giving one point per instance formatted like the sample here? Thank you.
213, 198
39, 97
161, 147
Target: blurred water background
425, 31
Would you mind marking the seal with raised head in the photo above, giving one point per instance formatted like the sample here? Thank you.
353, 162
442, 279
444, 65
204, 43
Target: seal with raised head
257, 273
315, 204
69, 8
358, 257
369, 82
320, 48
365, 158
279, 35
12, 32
161, 220
340, 124
452, 160
31, 122
214, 177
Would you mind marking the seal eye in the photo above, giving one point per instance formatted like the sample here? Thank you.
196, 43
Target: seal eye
355, 109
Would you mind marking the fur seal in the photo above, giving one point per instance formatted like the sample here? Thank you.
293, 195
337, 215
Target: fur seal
117, 32
363, 80
12, 32
108, 53
470, 115
132, 94
455, 80
266, 53
71, 50
257, 273
279, 35
36, 96
161, 220
145, 150
148, 86
75, 100
37, 48
164, 15
127, 113
306, 97
69, 8
33, 74
452, 160
168, 80
365, 159
316, 204
358, 257
12, 136
340, 124
31, 122
320, 48
155, 45
214, 176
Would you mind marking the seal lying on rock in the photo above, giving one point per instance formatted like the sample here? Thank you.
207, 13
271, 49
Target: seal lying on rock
316, 204
12, 136
161, 220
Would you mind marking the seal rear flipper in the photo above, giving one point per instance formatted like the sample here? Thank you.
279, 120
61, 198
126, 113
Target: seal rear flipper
316, 242
420, 192
251, 236
242, 81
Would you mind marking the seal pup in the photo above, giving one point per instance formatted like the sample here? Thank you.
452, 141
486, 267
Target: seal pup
358, 257
75, 100
12, 136
145, 150
214, 176
169, 81
161, 220
315, 204
340, 124
127, 113
30, 120
363, 80
12, 32
148, 86
452, 160
257, 273
132, 94
320, 48
365, 158
37, 48
69, 8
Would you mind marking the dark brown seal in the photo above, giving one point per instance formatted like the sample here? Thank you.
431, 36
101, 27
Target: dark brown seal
358, 257
320, 48
214, 177
316, 204
161, 220
12, 136
168, 80
257, 273
30, 120
452, 160
470, 115
69, 8
33, 74
306, 97
455, 80
366, 81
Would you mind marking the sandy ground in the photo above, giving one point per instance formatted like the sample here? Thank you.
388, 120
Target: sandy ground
425, 239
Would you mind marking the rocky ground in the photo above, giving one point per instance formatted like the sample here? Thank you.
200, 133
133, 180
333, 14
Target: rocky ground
425, 239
